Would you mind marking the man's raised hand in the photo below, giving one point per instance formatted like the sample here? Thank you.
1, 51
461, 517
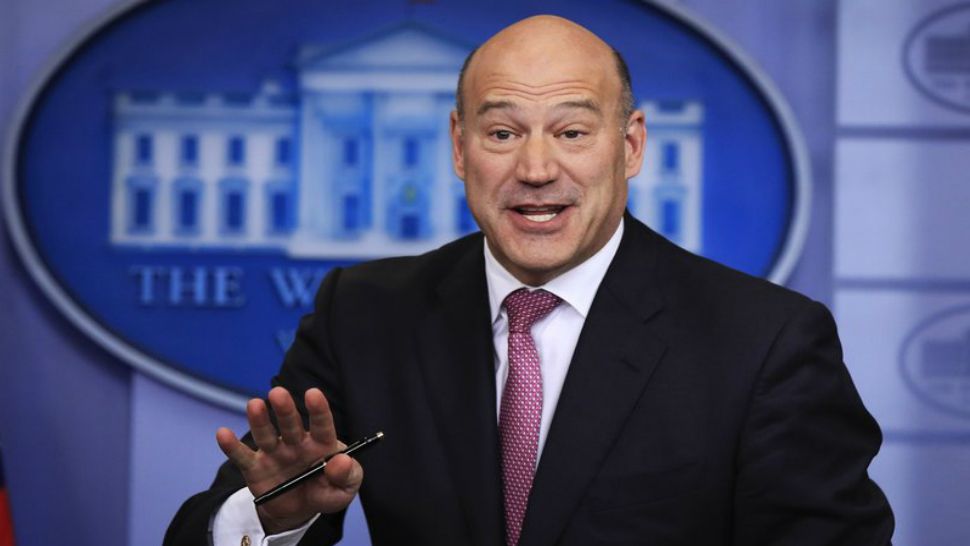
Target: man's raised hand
282, 455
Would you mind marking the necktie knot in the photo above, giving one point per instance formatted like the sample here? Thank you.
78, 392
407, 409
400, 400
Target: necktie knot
526, 307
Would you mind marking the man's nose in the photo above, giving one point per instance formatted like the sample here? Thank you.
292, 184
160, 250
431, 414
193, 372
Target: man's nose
537, 163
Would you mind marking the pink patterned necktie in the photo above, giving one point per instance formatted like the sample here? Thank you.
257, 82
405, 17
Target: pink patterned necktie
521, 411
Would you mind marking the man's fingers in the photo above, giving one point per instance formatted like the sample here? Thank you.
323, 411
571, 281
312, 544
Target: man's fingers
287, 417
321, 420
238, 452
262, 429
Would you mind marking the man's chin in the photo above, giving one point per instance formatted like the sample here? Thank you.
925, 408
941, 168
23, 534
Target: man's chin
535, 266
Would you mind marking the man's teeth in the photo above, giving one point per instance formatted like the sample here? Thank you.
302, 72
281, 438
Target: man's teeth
541, 217
540, 214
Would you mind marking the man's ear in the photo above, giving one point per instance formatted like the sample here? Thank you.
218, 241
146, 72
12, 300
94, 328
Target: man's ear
635, 139
457, 156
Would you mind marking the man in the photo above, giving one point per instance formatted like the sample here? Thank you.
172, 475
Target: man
648, 397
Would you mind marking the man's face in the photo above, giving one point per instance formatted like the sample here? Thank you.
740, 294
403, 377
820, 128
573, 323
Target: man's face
543, 152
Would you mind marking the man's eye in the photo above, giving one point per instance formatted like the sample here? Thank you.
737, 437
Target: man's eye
572, 134
502, 135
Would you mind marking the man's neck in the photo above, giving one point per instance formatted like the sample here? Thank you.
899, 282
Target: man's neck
577, 285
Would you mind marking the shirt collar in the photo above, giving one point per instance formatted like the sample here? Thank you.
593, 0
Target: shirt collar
577, 286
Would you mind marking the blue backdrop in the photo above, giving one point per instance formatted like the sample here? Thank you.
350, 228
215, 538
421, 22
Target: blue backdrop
96, 453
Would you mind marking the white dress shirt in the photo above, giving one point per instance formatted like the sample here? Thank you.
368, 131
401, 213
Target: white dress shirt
555, 336
237, 519
557, 333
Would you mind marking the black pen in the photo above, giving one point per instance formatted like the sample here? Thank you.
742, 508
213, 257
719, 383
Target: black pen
316, 469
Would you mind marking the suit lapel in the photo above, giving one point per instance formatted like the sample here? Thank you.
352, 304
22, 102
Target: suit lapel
614, 359
456, 353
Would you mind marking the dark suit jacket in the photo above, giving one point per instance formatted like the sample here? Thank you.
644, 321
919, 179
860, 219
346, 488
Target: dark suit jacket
701, 407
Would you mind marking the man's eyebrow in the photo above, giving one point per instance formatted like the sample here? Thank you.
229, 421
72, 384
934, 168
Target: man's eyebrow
496, 105
584, 104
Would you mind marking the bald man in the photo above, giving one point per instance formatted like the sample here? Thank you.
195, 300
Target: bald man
657, 398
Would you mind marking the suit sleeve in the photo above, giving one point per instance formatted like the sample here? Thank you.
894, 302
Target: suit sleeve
308, 363
806, 446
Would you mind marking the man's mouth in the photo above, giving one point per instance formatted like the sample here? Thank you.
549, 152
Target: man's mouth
539, 214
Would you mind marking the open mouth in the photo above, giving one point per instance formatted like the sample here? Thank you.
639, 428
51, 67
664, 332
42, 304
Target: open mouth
540, 214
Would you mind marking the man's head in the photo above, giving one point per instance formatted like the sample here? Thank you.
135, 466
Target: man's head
545, 140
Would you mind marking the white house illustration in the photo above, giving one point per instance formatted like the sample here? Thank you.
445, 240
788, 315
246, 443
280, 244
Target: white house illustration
356, 165
667, 194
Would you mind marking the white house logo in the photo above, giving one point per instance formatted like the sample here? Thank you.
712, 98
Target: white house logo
351, 166
935, 361
936, 56
181, 199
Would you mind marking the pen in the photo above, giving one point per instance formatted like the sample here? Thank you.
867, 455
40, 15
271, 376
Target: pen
316, 469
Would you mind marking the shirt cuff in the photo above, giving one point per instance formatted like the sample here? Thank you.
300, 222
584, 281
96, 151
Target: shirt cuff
237, 524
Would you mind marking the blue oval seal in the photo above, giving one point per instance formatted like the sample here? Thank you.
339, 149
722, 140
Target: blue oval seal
179, 188
935, 360
936, 57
